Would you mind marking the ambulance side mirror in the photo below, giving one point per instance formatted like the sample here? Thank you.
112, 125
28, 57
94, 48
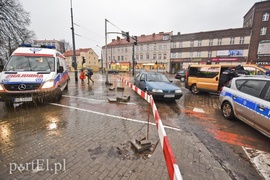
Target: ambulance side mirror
61, 69
1, 67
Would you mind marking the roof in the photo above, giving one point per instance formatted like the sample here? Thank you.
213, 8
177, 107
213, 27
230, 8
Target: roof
78, 52
141, 39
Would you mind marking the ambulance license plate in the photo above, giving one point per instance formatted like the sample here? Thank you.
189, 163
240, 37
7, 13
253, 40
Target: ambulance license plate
23, 99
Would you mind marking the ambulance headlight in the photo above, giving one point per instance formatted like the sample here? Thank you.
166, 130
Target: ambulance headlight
1, 87
48, 84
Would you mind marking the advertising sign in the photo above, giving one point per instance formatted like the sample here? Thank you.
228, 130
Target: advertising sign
264, 48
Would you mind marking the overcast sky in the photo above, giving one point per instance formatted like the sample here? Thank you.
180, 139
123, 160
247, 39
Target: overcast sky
51, 19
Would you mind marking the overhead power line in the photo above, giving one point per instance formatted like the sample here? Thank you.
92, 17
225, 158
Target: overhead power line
89, 30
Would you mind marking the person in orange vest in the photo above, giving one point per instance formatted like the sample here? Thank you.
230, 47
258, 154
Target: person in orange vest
82, 75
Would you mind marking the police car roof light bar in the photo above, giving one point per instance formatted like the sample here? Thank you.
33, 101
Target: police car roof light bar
38, 46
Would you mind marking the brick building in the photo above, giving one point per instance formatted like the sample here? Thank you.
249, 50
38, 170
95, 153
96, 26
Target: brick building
249, 44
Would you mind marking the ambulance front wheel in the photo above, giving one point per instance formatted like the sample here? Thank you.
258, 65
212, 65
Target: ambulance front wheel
58, 95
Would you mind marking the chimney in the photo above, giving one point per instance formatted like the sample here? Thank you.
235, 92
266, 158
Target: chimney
178, 33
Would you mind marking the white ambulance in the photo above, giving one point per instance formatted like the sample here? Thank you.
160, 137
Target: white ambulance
34, 74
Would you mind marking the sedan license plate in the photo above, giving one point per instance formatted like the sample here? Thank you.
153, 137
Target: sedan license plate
23, 99
169, 95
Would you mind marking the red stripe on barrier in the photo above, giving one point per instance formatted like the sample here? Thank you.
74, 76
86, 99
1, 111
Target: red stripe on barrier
170, 160
172, 167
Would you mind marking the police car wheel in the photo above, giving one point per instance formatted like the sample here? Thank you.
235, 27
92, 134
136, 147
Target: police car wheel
227, 110
194, 89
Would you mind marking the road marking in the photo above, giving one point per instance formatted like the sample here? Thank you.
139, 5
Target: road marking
113, 116
88, 99
77, 97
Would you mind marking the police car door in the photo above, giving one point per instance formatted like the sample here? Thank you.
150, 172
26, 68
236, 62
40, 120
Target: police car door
245, 99
262, 116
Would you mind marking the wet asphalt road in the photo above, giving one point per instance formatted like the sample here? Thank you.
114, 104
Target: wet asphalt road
196, 114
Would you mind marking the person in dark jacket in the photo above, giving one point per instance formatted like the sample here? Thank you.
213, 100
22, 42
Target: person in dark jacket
226, 76
239, 69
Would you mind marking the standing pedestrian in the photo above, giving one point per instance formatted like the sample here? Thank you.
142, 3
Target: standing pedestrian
89, 75
82, 75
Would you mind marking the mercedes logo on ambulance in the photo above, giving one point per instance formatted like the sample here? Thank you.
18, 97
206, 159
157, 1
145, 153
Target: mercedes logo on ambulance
22, 87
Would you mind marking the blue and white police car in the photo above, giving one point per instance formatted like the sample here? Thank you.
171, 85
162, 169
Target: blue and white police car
248, 99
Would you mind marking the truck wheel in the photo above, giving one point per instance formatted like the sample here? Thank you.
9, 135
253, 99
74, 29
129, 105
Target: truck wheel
194, 89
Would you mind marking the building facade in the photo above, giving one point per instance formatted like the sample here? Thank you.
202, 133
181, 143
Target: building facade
152, 52
249, 44
91, 59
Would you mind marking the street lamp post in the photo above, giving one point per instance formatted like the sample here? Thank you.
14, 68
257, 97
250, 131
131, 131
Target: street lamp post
106, 50
74, 61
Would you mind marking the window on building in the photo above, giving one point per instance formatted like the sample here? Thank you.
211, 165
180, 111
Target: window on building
154, 56
137, 56
210, 42
232, 40
209, 53
199, 43
166, 37
165, 47
141, 47
265, 17
242, 40
160, 47
109, 58
173, 55
263, 31
192, 43
191, 54
159, 56
179, 55
164, 56
219, 41
147, 47
147, 56
180, 44
118, 58
118, 50
155, 47
198, 54
141, 57
174, 45
122, 58
126, 50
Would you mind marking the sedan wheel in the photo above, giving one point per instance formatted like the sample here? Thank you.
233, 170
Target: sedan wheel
227, 110
194, 89
182, 79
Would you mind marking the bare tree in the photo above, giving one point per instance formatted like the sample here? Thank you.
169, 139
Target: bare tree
13, 26
66, 44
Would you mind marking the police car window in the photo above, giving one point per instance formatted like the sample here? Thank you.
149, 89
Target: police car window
252, 87
267, 94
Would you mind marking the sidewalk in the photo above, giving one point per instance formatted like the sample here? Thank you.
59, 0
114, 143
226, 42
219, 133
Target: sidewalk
94, 145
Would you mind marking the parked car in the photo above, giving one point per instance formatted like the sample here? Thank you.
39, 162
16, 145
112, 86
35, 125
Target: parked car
113, 71
248, 99
158, 85
181, 74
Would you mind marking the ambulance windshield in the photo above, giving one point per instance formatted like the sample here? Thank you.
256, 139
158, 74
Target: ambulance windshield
30, 63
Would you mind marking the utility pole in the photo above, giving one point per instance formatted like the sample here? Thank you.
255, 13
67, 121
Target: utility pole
74, 61
106, 51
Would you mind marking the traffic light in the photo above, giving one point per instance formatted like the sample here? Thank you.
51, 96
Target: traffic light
127, 37
83, 60
135, 40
